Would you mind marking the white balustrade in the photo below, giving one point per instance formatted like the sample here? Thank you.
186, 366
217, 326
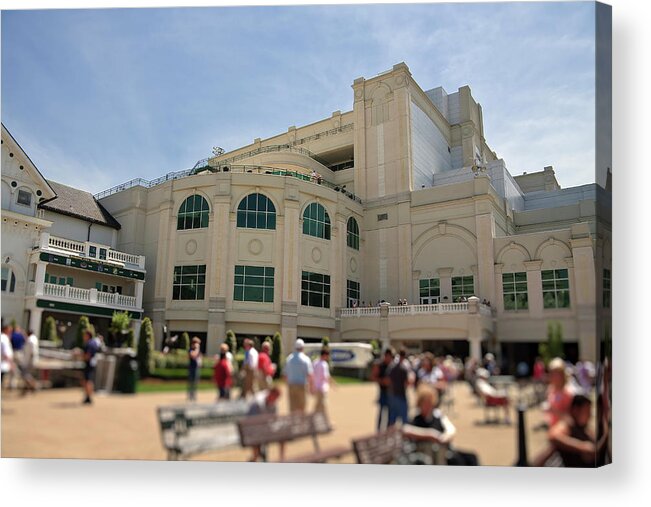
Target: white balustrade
83, 250
123, 257
66, 292
129, 301
412, 310
66, 244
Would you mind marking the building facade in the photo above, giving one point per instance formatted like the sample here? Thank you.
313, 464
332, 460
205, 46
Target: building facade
58, 253
400, 198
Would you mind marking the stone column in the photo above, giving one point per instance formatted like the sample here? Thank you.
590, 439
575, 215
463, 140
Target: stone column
139, 288
216, 324
582, 271
485, 225
534, 288
35, 316
445, 280
291, 275
385, 339
39, 277
474, 328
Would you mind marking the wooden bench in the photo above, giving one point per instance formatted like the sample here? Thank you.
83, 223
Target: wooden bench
379, 449
193, 428
261, 430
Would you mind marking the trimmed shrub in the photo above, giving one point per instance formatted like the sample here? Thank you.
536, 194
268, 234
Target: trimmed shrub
145, 348
184, 342
50, 330
231, 341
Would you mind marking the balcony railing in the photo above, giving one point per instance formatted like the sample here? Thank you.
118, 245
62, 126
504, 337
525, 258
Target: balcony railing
84, 249
414, 310
92, 296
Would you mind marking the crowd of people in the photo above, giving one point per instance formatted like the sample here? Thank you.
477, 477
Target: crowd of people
19, 353
304, 377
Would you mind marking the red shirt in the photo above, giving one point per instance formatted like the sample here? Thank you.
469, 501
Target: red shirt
223, 377
264, 364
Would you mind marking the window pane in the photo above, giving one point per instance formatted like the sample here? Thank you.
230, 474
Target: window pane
269, 295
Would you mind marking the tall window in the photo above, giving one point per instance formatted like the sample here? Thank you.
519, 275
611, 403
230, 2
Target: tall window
430, 290
316, 221
556, 288
189, 282
256, 211
353, 292
254, 283
352, 236
315, 290
462, 287
8, 279
606, 289
514, 289
193, 213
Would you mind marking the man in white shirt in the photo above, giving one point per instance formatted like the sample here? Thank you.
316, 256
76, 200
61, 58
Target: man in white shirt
249, 367
6, 351
321, 380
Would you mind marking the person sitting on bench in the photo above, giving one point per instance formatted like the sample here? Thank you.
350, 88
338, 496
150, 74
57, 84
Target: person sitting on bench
492, 397
431, 425
264, 402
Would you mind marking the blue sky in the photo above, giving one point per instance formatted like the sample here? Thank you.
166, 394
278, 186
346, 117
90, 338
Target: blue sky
97, 97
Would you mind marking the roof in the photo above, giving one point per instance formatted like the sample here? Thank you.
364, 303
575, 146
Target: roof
31, 167
78, 204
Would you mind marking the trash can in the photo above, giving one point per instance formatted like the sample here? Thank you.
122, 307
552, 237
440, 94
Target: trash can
128, 375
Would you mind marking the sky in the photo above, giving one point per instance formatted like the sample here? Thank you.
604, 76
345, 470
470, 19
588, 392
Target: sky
97, 97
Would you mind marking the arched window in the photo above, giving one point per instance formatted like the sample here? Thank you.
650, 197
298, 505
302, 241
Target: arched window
352, 237
316, 221
193, 213
8, 279
256, 211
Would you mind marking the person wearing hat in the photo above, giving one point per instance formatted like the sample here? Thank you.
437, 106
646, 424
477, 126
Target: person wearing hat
92, 345
298, 374
194, 367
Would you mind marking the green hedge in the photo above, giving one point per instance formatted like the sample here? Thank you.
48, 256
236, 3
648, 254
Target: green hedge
179, 373
177, 359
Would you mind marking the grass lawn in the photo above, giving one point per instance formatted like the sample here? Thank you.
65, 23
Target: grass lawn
157, 385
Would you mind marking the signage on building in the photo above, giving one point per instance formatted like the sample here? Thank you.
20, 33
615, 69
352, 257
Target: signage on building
92, 266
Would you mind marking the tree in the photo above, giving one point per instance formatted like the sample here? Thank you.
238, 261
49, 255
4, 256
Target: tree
82, 326
145, 348
325, 341
553, 347
231, 341
276, 353
184, 341
375, 345
119, 329
50, 330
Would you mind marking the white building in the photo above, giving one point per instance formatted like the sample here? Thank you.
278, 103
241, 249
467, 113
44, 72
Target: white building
410, 203
58, 252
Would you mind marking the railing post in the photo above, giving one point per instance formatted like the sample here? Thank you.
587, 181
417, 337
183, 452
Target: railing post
93, 295
67, 291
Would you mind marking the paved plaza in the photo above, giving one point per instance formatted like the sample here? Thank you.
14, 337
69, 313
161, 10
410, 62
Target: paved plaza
54, 424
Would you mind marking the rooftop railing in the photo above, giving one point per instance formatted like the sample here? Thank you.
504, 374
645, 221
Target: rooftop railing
255, 169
